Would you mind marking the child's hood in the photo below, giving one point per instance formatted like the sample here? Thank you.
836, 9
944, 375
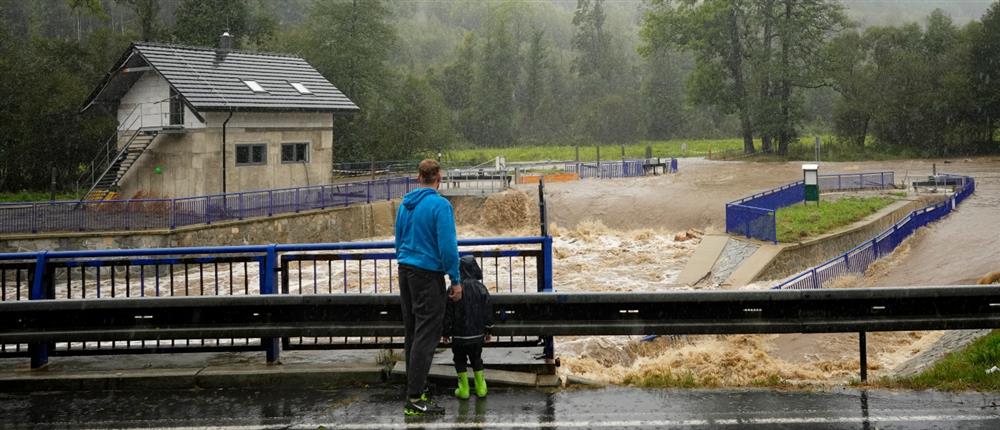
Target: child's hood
469, 268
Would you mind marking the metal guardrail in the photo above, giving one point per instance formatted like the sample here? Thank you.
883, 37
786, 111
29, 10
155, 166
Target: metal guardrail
152, 214
858, 259
519, 264
753, 216
542, 315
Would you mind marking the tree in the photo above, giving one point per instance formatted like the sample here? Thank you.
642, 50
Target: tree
592, 43
491, 114
146, 11
984, 59
715, 31
201, 22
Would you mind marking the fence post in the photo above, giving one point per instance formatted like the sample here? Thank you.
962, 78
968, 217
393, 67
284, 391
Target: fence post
34, 217
368, 192
847, 263
270, 202
271, 345
39, 351
173, 214
863, 355
208, 210
875, 246
126, 214
239, 206
388, 189
882, 179
815, 279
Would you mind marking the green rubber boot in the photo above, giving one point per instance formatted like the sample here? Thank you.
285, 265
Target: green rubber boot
462, 392
480, 380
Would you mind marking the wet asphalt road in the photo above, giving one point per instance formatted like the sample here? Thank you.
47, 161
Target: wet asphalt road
380, 407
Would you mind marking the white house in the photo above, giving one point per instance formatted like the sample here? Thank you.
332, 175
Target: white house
198, 121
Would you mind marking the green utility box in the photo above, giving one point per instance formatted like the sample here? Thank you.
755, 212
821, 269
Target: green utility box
810, 176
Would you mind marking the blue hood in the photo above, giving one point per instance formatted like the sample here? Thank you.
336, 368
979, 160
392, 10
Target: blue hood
425, 233
413, 198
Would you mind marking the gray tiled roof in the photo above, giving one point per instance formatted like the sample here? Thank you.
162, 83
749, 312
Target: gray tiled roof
214, 82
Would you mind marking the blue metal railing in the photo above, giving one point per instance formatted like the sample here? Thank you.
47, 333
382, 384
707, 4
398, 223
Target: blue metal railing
149, 214
516, 264
857, 260
754, 216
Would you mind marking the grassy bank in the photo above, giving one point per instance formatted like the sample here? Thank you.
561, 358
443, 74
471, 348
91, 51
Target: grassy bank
802, 150
802, 221
33, 196
960, 370
667, 148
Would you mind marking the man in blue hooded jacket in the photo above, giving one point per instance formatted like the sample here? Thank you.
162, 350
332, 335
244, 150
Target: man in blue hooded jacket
426, 249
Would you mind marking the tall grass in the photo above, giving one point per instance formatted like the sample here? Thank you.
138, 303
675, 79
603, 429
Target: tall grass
33, 196
802, 221
960, 370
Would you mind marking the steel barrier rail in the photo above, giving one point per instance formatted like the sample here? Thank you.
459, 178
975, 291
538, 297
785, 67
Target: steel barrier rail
716, 312
56, 276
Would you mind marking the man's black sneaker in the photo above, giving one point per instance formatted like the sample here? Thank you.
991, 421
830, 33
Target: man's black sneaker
421, 407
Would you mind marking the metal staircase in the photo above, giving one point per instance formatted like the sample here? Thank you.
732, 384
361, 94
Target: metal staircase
119, 153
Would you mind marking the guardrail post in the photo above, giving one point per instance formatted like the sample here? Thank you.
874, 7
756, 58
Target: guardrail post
271, 345
863, 355
39, 351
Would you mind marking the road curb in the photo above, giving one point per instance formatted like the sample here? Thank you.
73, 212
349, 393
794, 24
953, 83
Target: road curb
187, 378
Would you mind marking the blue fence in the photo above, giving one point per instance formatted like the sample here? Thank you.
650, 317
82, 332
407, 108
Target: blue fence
754, 216
620, 169
149, 214
519, 264
857, 260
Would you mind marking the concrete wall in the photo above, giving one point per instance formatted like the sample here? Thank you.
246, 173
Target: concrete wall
191, 163
792, 259
320, 226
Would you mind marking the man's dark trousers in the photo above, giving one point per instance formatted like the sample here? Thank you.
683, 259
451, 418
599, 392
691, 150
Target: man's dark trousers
423, 297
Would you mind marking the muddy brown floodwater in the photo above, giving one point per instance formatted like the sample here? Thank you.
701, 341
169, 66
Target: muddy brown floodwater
956, 250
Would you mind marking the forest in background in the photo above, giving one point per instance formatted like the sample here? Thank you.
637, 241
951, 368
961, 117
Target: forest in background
432, 75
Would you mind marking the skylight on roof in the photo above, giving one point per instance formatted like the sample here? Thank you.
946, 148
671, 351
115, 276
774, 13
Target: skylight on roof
300, 88
255, 87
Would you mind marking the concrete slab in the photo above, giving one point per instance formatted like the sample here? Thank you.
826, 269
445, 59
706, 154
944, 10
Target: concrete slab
753, 265
704, 257
441, 372
289, 376
45, 380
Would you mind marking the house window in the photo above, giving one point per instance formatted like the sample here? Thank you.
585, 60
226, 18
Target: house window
251, 155
300, 88
294, 152
255, 87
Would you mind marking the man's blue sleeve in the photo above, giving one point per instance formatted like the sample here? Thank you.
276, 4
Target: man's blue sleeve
447, 241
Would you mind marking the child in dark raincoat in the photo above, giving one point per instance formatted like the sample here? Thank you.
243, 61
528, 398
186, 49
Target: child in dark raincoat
468, 322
